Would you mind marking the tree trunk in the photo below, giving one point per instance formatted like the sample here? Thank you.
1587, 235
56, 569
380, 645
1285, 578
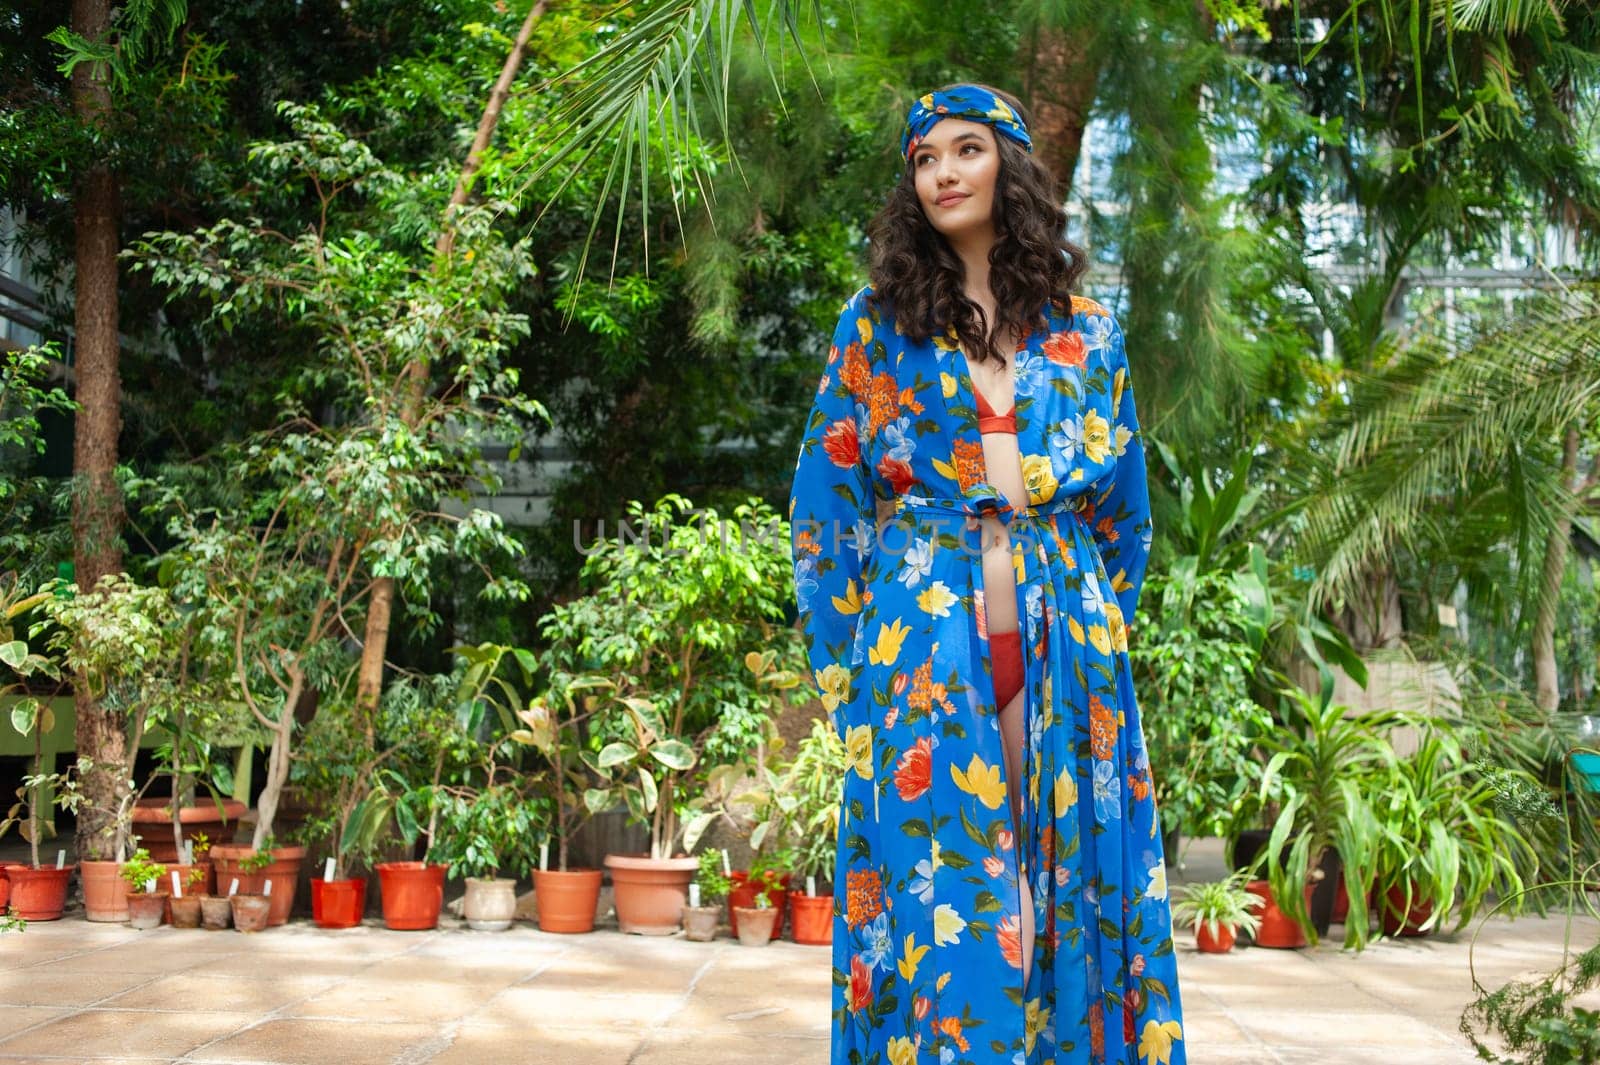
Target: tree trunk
97, 512
1061, 71
1555, 565
380, 608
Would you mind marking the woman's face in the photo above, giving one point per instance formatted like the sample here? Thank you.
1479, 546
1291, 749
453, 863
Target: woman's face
956, 167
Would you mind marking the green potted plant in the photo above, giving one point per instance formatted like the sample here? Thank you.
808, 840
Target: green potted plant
704, 912
1443, 837
37, 892
1217, 910
670, 616
550, 724
757, 923
1323, 766
482, 833
252, 904
147, 900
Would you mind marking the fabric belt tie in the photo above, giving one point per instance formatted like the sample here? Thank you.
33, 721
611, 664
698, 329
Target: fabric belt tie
985, 506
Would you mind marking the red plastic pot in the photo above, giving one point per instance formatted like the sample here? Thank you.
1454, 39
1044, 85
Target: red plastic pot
1277, 929
39, 894
1220, 943
338, 903
744, 894
1394, 906
5, 890
412, 894
812, 918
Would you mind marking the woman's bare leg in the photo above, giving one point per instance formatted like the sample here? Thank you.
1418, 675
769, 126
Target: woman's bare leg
1012, 740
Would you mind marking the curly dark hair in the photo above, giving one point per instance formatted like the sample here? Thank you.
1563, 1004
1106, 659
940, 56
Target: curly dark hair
917, 274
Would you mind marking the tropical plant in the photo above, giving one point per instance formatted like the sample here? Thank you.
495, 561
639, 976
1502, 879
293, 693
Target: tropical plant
142, 874
1324, 765
1442, 834
485, 831
667, 623
1217, 904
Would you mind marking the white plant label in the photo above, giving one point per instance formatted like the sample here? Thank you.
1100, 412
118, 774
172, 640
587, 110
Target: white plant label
544, 856
327, 870
266, 889
811, 885
61, 859
177, 890
233, 888
694, 895
727, 869
150, 886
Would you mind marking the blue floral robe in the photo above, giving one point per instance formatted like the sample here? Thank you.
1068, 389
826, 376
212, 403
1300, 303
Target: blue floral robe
927, 943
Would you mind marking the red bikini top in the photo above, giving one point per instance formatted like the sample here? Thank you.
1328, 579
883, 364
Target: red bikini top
989, 421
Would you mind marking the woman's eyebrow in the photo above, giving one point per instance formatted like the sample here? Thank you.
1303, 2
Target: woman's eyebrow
957, 139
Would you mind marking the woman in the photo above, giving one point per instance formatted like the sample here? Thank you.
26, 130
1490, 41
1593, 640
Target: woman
971, 527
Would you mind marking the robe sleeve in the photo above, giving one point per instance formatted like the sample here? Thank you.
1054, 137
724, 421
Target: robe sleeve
832, 516
1122, 526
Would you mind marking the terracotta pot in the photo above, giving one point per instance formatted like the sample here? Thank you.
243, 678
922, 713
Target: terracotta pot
650, 893
147, 910
412, 894
744, 893
1396, 919
490, 904
152, 820
1220, 943
251, 913
207, 884
5, 890
39, 894
700, 923
216, 912
756, 927
567, 900
338, 903
1341, 902
812, 918
1277, 930
105, 893
183, 911
283, 874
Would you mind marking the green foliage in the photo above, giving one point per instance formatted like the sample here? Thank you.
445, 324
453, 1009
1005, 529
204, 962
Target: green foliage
1443, 836
491, 830
714, 885
673, 611
259, 858
1534, 1022
1217, 904
1326, 766
140, 872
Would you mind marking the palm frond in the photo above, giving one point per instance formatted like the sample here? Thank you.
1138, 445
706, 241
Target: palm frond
648, 81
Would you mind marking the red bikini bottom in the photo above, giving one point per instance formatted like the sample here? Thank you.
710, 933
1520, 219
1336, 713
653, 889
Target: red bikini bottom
1005, 658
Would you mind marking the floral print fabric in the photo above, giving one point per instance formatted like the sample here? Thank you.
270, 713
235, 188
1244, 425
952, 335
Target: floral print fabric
927, 945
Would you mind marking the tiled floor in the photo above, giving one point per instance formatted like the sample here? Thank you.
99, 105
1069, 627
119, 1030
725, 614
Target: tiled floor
71, 991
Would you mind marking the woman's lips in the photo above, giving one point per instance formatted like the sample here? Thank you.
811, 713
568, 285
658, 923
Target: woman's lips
951, 201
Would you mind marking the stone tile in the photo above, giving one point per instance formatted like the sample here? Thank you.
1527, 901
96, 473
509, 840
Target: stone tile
535, 1044
313, 1042
205, 991
695, 1048
47, 986
1290, 1023
563, 1008
15, 1019
109, 1033
384, 1000
1342, 1053
610, 971
486, 974
760, 1015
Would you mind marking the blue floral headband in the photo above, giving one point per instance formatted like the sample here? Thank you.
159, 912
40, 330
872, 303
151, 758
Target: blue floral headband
964, 101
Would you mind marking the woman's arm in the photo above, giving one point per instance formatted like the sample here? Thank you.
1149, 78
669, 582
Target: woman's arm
832, 514
1122, 526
